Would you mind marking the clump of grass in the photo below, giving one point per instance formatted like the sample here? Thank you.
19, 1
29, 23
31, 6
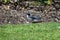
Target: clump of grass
6, 1
36, 3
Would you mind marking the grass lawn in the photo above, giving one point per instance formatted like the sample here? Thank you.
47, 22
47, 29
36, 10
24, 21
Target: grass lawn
38, 31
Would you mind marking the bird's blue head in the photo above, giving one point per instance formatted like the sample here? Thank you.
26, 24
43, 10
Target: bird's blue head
28, 13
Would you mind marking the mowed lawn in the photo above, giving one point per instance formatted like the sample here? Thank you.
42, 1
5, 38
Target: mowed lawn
34, 31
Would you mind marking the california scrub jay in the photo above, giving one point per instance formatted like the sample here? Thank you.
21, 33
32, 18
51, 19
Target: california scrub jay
33, 18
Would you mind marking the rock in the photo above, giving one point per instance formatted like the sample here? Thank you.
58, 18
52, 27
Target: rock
16, 16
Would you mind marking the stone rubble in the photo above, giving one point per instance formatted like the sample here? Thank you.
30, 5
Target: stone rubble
9, 15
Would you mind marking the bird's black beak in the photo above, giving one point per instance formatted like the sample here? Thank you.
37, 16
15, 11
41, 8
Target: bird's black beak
28, 14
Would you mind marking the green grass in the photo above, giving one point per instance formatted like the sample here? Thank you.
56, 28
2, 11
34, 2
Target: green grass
38, 31
35, 3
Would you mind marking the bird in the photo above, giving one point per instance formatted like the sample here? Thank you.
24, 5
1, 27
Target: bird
33, 18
